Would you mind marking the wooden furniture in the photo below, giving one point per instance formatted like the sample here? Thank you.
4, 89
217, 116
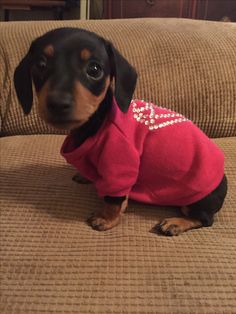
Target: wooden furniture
195, 9
58, 6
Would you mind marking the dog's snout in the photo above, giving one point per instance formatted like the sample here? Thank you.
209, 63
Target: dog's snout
59, 103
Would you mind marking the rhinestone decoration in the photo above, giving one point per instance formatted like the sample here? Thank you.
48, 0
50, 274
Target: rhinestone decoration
147, 115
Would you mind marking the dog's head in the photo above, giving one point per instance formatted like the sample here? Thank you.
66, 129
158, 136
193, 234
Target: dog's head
72, 70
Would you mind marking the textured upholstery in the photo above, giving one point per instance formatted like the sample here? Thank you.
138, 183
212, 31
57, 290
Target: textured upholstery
51, 260
184, 65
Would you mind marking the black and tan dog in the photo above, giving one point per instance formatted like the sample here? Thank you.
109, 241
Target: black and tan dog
72, 70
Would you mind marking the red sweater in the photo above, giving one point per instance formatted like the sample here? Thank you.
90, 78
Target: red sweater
150, 153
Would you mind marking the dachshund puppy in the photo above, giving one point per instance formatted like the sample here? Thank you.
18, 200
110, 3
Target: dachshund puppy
127, 148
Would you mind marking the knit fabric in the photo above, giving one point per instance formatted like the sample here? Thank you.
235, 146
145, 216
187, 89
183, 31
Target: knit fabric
152, 154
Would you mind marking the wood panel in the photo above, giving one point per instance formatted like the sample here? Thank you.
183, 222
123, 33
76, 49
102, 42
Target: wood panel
198, 9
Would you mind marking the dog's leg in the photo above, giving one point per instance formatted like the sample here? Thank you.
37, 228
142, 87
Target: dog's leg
109, 216
177, 225
80, 179
199, 214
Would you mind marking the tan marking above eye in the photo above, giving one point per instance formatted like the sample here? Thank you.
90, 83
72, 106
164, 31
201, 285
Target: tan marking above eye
49, 50
85, 54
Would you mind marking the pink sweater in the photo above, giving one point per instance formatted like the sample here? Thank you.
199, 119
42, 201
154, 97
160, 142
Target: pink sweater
150, 153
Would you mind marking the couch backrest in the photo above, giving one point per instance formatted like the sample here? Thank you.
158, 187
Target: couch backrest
185, 65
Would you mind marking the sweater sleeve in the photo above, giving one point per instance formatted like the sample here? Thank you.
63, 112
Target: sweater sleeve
118, 165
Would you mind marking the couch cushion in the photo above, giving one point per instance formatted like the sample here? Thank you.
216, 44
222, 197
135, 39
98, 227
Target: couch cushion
53, 262
186, 65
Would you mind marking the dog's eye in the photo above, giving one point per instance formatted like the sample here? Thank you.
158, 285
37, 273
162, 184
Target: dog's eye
94, 71
42, 63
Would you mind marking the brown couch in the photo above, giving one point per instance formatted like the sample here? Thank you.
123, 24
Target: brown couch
51, 260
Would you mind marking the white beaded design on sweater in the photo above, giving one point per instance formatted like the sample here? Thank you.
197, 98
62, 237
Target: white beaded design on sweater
146, 114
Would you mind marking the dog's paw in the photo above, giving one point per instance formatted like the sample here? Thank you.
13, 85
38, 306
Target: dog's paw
101, 224
80, 179
176, 226
169, 227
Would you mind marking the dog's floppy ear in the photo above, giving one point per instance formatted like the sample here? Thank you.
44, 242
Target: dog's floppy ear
23, 84
125, 77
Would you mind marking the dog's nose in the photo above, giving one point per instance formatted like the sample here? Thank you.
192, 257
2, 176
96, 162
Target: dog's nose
59, 103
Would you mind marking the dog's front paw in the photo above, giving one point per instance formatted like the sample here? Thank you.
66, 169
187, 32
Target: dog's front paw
102, 224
